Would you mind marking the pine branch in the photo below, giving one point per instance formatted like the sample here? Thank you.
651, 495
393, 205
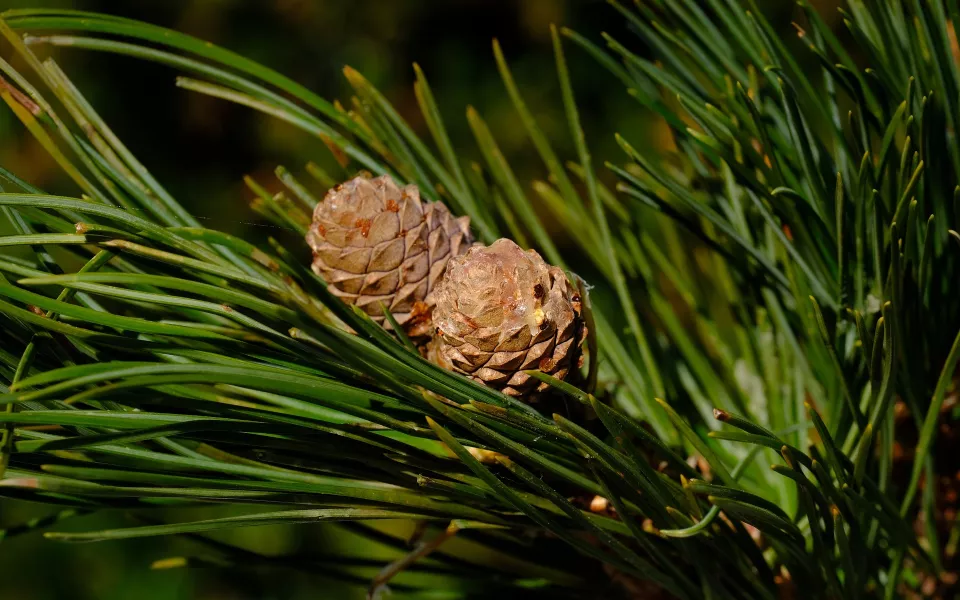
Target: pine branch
771, 285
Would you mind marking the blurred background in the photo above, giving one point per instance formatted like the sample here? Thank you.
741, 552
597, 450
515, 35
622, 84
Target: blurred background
200, 148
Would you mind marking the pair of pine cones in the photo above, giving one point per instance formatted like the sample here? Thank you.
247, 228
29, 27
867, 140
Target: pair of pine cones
487, 312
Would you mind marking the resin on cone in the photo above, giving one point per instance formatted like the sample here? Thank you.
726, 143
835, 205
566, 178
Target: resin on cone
502, 310
375, 244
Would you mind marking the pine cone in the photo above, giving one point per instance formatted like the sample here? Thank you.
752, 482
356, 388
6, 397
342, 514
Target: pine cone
502, 310
374, 243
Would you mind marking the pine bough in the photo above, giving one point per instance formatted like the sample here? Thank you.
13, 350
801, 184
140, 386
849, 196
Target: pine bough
766, 289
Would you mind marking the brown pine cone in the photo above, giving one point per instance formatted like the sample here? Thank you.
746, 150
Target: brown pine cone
374, 243
501, 310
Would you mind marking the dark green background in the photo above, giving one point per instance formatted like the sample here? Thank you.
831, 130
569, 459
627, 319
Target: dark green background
200, 148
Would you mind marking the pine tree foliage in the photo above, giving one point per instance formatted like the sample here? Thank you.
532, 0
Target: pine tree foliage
764, 290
